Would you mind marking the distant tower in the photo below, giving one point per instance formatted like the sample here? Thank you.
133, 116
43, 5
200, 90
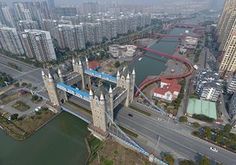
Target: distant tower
98, 107
62, 80
49, 83
127, 82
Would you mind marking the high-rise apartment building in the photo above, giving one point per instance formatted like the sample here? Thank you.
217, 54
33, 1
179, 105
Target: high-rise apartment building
228, 63
36, 11
38, 44
92, 33
26, 24
226, 31
226, 22
10, 41
70, 36
6, 16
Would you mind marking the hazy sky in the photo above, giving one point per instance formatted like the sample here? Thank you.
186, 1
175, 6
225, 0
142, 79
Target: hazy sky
148, 2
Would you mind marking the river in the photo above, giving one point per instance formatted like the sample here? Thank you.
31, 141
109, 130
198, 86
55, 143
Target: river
61, 142
148, 66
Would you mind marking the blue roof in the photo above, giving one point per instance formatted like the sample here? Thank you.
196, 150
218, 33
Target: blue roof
73, 91
103, 76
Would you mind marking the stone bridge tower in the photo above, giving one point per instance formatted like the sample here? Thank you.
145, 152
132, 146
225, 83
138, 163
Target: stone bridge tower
62, 80
127, 82
50, 86
98, 107
79, 68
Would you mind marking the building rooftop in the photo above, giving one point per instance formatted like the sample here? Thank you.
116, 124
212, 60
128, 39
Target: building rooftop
172, 87
207, 108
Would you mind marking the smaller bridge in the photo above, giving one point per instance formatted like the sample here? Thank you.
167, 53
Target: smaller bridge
103, 76
181, 25
148, 82
73, 91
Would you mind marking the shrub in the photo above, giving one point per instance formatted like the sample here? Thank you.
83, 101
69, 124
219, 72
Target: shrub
183, 119
203, 118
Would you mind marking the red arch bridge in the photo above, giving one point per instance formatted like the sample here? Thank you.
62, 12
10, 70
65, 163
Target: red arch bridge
183, 60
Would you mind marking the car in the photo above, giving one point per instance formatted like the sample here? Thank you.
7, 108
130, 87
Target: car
213, 149
130, 115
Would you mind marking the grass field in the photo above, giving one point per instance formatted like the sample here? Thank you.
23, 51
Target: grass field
21, 106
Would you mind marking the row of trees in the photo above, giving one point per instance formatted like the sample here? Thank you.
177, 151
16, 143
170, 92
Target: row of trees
201, 160
222, 137
5, 79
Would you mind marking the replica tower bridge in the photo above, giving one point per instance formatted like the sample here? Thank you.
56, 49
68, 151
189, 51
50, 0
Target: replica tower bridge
101, 103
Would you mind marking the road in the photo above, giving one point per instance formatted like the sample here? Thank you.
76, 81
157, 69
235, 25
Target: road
27, 72
173, 136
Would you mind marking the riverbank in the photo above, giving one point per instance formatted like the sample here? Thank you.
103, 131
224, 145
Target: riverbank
110, 152
22, 128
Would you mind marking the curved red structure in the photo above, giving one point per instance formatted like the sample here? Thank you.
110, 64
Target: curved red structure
148, 82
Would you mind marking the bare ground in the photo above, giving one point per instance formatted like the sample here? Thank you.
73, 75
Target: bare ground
112, 153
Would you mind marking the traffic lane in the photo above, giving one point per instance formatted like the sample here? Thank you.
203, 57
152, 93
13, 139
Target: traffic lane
163, 120
153, 136
25, 67
180, 144
10, 71
193, 144
33, 76
180, 134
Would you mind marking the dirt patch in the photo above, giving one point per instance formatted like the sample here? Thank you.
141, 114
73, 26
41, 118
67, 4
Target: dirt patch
112, 153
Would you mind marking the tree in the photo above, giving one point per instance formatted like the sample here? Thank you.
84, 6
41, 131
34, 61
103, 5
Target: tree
186, 162
196, 125
117, 64
183, 119
227, 129
207, 132
204, 161
14, 116
34, 97
169, 159
219, 137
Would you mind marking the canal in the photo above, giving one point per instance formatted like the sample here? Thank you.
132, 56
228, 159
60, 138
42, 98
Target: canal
146, 66
61, 142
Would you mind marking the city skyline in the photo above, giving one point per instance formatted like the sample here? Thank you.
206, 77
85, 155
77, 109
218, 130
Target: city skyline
118, 82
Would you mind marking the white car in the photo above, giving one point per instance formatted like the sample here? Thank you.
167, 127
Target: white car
213, 149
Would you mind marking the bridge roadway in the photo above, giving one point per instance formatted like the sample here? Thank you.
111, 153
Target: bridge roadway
175, 137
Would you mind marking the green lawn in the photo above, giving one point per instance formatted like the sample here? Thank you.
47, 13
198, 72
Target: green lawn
21, 106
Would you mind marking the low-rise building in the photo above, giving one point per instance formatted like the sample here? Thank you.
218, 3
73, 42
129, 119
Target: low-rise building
168, 90
202, 107
208, 85
231, 84
190, 42
121, 51
232, 106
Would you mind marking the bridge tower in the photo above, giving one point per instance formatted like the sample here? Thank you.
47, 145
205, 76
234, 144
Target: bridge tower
50, 85
78, 67
132, 85
88, 78
98, 107
62, 80
111, 105
128, 83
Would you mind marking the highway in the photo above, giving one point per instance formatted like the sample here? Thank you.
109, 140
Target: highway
173, 136
27, 72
